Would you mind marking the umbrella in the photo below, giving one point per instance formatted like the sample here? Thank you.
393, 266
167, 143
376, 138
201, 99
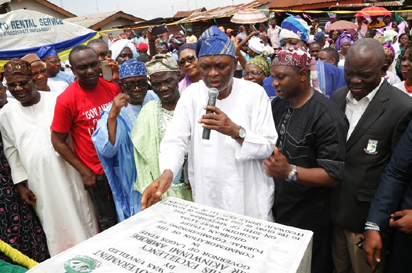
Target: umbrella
341, 24
372, 11
248, 16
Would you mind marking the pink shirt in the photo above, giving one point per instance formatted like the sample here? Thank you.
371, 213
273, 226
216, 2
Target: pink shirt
273, 34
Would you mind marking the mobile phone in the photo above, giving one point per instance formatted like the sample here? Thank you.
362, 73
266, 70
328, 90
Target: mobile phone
360, 243
106, 70
159, 29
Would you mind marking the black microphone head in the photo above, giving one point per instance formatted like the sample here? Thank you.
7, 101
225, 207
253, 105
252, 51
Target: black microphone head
213, 92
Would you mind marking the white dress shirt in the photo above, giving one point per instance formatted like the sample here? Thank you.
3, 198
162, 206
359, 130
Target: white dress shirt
355, 109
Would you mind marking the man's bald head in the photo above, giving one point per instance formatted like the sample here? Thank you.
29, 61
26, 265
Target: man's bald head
367, 49
364, 67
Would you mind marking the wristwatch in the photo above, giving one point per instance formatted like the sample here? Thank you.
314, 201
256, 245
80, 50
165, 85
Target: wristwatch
293, 175
242, 134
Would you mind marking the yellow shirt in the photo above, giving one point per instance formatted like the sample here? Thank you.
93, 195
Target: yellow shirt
378, 24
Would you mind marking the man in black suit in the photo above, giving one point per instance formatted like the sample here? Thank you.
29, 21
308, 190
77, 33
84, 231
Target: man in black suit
378, 115
394, 192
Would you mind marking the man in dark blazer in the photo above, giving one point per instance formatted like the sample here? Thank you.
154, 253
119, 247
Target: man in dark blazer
378, 115
394, 192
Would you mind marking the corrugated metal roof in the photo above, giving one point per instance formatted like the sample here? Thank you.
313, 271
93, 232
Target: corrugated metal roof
292, 3
364, 5
222, 11
93, 19
183, 14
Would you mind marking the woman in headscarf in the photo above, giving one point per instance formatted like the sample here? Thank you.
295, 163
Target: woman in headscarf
123, 50
242, 32
188, 65
342, 46
257, 69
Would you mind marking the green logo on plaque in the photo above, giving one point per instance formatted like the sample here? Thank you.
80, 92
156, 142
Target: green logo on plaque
79, 265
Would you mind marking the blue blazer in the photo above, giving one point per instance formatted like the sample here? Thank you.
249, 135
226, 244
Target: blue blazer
395, 186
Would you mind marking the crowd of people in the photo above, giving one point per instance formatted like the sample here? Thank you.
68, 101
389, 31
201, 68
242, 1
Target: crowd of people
310, 129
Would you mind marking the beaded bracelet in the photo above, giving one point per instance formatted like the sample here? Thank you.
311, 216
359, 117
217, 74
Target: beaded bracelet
373, 228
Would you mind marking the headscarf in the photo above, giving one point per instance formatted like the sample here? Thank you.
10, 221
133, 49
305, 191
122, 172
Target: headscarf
161, 63
17, 66
256, 45
389, 35
296, 28
132, 68
118, 46
319, 36
177, 40
46, 51
261, 61
388, 46
214, 42
352, 32
186, 46
31, 58
292, 56
332, 15
344, 37
380, 38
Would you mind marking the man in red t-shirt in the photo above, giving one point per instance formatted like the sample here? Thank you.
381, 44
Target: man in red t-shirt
77, 111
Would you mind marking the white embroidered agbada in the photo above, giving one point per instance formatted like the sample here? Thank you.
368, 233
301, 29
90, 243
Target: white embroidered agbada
63, 206
222, 173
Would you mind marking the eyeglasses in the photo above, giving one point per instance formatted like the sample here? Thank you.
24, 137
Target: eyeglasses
13, 85
252, 74
53, 62
189, 59
132, 86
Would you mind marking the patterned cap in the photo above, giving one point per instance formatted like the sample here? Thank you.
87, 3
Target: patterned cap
292, 56
161, 63
261, 61
17, 66
131, 68
31, 58
214, 42
296, 28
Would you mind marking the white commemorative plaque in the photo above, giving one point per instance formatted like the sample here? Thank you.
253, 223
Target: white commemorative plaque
176, 236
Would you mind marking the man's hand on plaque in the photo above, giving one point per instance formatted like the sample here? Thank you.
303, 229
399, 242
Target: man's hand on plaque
152, 193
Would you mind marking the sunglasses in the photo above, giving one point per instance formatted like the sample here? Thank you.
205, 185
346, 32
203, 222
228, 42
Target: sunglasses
132, 86
13, 85
189, 59
252, 74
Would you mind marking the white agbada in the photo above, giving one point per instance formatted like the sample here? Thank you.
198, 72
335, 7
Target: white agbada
222, 173
63, 206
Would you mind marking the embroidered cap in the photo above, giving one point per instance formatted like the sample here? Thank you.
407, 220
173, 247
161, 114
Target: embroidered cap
17, 66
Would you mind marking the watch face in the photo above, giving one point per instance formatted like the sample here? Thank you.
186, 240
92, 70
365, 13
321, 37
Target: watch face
242, 133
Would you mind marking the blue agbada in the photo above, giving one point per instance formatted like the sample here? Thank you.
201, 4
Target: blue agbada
214, 42
46, 51
118, 159
330, 78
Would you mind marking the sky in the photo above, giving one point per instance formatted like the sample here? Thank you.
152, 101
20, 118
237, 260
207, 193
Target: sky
146, 9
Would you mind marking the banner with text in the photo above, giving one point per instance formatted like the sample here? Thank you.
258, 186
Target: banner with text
25, 31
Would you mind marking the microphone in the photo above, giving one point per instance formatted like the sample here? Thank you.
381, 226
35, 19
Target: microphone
213, 93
